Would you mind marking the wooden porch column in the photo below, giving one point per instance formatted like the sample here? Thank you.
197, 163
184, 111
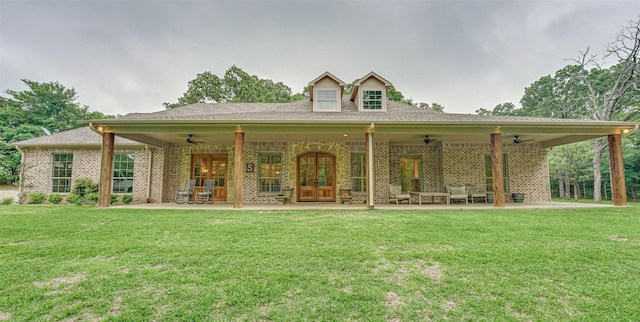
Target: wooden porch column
618, 185
369, 158
496, 167
238, 168
106, 169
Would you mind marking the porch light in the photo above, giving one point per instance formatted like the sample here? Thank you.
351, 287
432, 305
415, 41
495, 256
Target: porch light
625, 131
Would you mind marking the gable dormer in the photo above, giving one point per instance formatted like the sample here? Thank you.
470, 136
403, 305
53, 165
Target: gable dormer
370, 93
326, 93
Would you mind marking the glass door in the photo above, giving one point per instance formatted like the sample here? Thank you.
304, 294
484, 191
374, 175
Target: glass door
210, 167
316, 177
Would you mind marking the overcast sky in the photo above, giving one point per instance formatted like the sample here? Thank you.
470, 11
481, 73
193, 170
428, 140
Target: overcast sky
131, 56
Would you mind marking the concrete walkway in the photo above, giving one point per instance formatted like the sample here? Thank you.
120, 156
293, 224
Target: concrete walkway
337, 206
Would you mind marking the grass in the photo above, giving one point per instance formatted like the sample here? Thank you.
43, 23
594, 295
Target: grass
83, 263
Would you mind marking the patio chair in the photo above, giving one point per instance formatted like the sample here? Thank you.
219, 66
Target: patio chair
395, 194
187, 193
206, 195
476, 193
457, 193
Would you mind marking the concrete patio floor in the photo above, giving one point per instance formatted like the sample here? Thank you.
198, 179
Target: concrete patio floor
360, 206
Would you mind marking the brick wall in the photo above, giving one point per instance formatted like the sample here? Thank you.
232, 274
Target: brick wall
86, 164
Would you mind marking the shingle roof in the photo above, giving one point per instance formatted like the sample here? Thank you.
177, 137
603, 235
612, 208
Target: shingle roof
83, 136
302, 111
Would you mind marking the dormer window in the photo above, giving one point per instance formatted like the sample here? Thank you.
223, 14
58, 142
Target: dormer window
326, 93
327, 100
370, 93
372, 100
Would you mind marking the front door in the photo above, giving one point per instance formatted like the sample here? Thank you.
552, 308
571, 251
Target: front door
316, 177
211, 167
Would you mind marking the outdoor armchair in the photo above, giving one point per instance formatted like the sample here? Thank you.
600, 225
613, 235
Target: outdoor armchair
457, 193
206, 195
396, 194
187, 193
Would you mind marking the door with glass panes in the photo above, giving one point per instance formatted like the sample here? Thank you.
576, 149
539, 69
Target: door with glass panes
210, 167
316, 177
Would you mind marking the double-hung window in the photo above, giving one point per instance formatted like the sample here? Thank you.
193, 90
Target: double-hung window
372, 100
411, 173
270, 173
327, 100
358, 172
61, 173
488, 171
122, 173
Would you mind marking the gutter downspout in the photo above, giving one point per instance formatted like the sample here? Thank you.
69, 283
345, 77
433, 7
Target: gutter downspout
20, 177
149, 166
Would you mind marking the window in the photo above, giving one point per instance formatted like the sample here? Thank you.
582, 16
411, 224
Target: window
372, 100
327, 100
410, 173
122, 173
489, 172
61, 174
358, 172
270, 173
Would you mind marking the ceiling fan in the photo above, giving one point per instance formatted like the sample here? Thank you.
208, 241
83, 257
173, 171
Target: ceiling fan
190, 140
518, 140
428, 140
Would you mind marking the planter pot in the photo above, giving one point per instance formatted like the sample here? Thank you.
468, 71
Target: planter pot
517, 197
288, 193
345, 199
489, 197
344, 191
281, 199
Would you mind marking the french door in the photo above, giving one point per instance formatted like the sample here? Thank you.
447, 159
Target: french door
316, 177
211, 167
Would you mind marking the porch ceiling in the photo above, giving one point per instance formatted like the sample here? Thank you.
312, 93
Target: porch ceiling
547, 135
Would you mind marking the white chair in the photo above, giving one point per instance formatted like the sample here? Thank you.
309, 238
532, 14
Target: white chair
396, 194
476, 193
457, 193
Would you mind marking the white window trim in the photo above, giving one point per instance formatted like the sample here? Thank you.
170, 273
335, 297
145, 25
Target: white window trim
317, 99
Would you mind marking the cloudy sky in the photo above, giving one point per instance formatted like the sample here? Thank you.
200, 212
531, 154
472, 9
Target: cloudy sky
131, 56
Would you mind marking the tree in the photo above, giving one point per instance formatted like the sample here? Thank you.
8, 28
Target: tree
236, 86
435, 107
500, 109
26, 114
612, 93
560, 96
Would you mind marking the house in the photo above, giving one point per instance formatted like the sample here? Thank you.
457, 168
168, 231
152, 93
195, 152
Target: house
361, 140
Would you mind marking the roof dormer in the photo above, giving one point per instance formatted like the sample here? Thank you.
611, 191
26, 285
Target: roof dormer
370, 93
326, 93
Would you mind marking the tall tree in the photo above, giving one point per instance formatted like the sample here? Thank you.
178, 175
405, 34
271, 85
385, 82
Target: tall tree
612, 93
234, 87
29, 113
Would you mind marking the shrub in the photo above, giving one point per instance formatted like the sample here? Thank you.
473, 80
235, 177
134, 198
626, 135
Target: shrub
92, 197
72, 198
127, 199
84, 186
55, 198
37, 197
7, 201
79, 202
113, 199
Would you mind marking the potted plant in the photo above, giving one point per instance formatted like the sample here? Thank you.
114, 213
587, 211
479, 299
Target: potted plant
345, 190
345, 198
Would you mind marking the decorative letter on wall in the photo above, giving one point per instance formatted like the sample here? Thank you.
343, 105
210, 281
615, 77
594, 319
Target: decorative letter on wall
249, 167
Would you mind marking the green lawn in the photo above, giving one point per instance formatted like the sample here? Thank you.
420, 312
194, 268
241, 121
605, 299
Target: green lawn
82, 263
